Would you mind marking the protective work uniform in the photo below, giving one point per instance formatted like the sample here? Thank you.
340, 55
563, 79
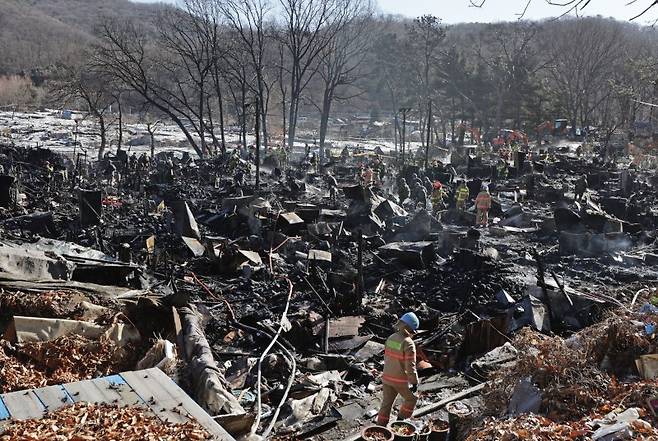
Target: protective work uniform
502, 169
461, 196
580, 188
333, 187
483, 204
437, 197
400, 376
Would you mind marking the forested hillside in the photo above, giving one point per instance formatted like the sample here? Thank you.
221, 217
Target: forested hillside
37, 33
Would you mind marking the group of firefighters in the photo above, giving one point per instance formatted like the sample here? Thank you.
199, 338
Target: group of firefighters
438, 196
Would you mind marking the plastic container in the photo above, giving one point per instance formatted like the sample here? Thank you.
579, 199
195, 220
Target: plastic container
410, 431
377, 433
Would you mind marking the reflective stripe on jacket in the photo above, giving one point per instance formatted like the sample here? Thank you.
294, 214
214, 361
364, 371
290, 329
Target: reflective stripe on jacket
400, 360
462, 193
438, 195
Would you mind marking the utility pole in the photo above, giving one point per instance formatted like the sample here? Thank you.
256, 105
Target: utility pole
257, 129
396, 125
75, 138
429, 132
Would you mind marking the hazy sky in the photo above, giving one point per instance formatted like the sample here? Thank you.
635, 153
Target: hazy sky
456, 11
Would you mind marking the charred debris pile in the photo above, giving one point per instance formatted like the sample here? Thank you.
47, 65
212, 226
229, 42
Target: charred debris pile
270, 305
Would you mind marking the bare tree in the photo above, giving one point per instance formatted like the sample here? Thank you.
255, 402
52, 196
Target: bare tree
126, 54
83, 83
512, 61
584, 53
424, 39
282, 81
390, 74
188, 60
151, 127
342, 60
239, 81
309, 27
219, 52
248, 21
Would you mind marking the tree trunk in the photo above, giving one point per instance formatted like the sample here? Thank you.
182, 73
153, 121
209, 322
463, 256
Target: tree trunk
429, 132
445, 134
152, 141
202, 123
423, 125
215, 141
244, 114
120, 137
178, 122
220, 103
262, 114
257, 131
103, 130
324, 117
653, 99
395, 133
294, 105
499, 111
452, 120
292, 123
283, 143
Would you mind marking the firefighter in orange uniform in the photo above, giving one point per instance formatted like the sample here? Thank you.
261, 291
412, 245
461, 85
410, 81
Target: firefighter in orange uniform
400, 376
483, 204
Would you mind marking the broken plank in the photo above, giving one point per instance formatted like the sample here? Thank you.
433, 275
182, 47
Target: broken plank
23, 405
436, 406
53, 397
157, 399
189, 406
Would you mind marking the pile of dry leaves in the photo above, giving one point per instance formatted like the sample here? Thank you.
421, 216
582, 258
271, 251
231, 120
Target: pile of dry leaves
52, 304
62, 360
90, 422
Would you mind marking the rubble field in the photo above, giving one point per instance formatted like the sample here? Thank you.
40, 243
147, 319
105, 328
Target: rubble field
269, 301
